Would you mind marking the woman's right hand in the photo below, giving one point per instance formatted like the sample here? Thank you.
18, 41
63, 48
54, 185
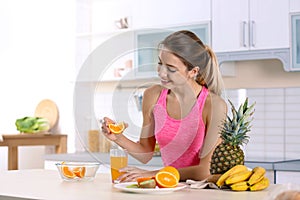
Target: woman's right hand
105, 130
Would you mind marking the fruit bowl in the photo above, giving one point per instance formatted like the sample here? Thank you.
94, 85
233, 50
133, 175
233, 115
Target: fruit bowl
76, 171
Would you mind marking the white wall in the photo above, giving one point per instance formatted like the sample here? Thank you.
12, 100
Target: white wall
36, 62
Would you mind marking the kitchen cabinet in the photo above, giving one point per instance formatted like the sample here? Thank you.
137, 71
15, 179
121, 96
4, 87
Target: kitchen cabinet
97, 27
147, 40
157, 13
295, 42
294, 6
98, 23
249, 25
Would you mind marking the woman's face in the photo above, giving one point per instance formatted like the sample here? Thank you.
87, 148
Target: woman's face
171, 70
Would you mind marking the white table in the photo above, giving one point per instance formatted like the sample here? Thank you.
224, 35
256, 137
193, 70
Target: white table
46, 184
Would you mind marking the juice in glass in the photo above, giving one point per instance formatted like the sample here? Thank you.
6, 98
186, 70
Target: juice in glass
118, 160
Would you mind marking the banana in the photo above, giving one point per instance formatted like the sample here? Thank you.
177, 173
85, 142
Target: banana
263, 184
240, 186
233, 170
238, 177
258, 175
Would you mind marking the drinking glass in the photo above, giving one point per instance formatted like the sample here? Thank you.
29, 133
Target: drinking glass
118, 160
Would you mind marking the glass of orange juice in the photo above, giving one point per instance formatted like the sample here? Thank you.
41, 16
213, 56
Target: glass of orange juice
118, 160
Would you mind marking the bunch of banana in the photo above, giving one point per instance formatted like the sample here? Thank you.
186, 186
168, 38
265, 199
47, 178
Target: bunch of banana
258, 181
240, 178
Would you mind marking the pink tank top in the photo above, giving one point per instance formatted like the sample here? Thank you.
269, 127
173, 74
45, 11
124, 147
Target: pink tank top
180, 140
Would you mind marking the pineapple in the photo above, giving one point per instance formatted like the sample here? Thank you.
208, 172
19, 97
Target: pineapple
234, 135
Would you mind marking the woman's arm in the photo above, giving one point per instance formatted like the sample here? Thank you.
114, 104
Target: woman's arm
198, 172
142, 150
214, 113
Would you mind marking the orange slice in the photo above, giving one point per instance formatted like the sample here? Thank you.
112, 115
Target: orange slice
67, 172
79, 171
166, 179
117, 128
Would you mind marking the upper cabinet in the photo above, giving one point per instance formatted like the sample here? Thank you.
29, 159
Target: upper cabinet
104, 40
294, 6
235, 29
146, 43
166, 13
129, 25
153, 20
249, 25
295, 34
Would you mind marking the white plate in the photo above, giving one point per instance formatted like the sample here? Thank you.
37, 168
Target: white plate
123, 187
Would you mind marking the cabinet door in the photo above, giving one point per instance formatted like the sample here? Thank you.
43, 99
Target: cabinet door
230, 25
294, 6
269, 24
295, 46
157, 13
246, 25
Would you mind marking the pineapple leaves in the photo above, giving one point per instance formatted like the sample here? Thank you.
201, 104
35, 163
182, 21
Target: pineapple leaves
235, 129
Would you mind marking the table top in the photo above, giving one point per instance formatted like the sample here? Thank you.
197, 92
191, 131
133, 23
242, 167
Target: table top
28, 135
47, 184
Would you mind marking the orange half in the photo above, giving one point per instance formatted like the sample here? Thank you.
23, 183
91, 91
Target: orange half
117, 128
166, 179
172, 170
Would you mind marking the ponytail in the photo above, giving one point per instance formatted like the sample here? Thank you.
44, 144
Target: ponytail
210, 75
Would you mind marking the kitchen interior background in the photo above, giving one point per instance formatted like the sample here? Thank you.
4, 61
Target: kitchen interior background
37, 62
275, 131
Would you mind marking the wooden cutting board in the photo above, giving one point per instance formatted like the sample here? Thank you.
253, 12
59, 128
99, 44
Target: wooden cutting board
47, 109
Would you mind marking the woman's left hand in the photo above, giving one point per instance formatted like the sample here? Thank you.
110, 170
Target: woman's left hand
132, 173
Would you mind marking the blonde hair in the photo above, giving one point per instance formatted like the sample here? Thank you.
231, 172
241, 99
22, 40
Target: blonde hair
193, 53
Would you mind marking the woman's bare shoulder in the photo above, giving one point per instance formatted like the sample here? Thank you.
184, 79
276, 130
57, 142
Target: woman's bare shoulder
216, 102
152, 93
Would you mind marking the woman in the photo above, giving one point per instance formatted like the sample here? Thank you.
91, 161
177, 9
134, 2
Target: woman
183, 114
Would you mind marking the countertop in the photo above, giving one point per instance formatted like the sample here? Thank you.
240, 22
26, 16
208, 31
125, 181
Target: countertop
47, 184
99, 157
269, 164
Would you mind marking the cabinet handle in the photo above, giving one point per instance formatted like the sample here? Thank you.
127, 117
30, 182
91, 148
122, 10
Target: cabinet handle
244, 34
252, 33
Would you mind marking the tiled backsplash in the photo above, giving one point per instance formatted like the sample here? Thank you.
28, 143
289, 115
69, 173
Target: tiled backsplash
275, 132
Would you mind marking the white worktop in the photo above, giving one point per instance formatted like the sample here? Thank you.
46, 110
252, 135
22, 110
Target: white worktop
98, 157
47, 184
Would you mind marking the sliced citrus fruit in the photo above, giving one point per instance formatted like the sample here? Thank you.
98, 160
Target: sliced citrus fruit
79, 171
67, 172
166, 179
172, 170
117, 128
